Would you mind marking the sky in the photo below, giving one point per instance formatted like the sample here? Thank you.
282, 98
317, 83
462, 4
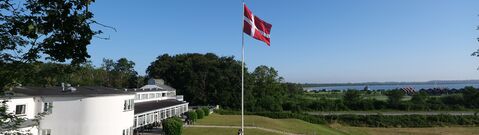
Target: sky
312, 41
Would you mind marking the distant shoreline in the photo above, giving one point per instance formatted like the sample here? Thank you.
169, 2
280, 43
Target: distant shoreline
391, 83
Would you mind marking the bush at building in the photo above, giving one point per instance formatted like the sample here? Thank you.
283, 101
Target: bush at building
192, 116
206, 111
172, 126
200, 113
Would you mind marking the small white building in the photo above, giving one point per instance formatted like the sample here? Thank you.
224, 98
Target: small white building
92, 110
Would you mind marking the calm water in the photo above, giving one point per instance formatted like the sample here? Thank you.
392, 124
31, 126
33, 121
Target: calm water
389, 87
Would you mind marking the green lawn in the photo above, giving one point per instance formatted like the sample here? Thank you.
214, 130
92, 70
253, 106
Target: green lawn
287, 125
409, 131
222, 131
302, 127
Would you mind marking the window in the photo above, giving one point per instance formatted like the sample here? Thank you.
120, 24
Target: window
128, 105
47, 107
158, 95
20, 109
152, 95
46, 132
137, 97
163, 94
144, 96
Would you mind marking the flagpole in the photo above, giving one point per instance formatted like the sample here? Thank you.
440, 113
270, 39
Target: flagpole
242, 73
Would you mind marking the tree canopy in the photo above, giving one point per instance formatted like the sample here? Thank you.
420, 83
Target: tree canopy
208, 79
55, 30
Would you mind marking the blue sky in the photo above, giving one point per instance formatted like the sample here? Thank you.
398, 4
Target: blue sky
316, 41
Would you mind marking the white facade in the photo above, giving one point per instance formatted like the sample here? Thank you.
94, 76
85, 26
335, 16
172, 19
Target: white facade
94, 110
103, 115
145, 96
100, 115
29, 111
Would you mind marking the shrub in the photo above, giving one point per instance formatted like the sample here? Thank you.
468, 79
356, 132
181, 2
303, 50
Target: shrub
200, 113
206, 111
192, 116
172, 126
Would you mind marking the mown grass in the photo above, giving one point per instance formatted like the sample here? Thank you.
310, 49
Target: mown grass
223, 131
408, 131
287, 125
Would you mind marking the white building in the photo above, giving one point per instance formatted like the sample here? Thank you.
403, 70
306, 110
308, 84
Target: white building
93, 110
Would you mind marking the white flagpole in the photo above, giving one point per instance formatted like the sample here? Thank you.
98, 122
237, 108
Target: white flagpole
242, 73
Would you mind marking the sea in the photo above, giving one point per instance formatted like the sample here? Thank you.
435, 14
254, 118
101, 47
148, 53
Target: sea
390, 87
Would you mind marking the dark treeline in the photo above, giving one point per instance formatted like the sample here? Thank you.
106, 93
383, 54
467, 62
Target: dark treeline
208, 79
117, 74
463, 99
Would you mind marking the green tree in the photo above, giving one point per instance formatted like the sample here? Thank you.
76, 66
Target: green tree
419, 98
121, 74
203, 79
395, 97
471, 97
207, 79
206, 111
192, 116
267, 85
352, 99
172, 126
57, 30
419, 101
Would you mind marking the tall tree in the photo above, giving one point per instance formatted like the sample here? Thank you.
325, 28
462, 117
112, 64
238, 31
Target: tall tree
202, 78
121, 74
56, 30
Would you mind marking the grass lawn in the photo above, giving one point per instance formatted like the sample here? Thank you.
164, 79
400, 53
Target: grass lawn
223, 131
409, 131
287, 125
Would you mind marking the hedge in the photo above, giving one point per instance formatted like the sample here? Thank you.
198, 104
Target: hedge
372, 120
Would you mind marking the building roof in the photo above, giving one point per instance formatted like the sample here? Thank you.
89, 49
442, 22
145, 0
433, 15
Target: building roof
154, 105
84, 91
148, 88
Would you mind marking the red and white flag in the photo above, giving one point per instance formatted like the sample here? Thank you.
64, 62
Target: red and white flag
255, 27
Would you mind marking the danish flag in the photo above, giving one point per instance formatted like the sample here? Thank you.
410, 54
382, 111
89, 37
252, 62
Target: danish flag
255, 27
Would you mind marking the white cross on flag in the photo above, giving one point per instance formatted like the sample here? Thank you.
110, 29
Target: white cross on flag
255, 27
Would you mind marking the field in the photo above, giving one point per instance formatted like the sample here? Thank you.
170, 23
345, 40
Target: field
409, 131
223, 131
301, 127
286, 125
